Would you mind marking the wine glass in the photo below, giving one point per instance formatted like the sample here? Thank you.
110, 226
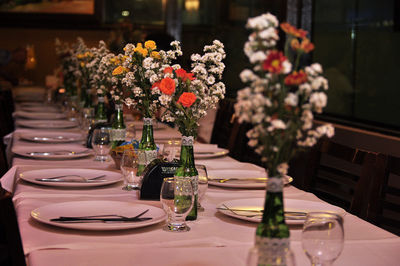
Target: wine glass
203, 184
101, 143
129, 167
323, 237
177, 199
171, 147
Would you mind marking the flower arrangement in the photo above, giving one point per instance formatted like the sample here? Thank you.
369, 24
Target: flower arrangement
187, 96
138, 69
69, 66
281, 95
96, 79
84, 57
107, 80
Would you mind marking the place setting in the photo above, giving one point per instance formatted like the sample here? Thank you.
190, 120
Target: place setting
239, 178
71, 178
99, 215
50, 115
251, 209
46, 124
51, 152
52, 137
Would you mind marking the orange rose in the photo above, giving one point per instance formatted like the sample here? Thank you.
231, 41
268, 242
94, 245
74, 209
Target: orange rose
167, 86
155, 85
187, 99
181, 73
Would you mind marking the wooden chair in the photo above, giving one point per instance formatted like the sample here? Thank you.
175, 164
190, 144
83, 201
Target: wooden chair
223, 123
11, 251
340, 175
384, 203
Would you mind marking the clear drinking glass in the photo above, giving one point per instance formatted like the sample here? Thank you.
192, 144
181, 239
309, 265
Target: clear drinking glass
177, 199
202, 185
129, 167
101, 143
171, 149
323, 237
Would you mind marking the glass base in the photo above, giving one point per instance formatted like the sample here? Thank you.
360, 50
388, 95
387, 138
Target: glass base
102, 158
130, 187
176, 228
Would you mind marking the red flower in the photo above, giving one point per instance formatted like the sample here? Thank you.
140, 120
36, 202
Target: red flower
168, 70
187, 99
183, 75
296, 78
156, 85
274, 62
167, 86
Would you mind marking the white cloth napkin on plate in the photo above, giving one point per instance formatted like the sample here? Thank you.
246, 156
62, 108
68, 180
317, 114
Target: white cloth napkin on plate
235, 173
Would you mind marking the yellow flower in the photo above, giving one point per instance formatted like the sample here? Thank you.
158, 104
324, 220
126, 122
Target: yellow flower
80, 56
150, 45
87, 54
119, 70
82, 64
155, 54
144, 52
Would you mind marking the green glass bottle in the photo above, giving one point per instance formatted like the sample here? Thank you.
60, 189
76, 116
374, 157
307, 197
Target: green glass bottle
87, 99
101, 114
147, 151
188, 169
118, 128
272, 234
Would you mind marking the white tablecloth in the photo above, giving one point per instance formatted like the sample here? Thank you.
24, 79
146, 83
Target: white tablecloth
214, 239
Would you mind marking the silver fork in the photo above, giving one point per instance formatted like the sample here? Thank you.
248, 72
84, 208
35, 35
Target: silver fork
61, 176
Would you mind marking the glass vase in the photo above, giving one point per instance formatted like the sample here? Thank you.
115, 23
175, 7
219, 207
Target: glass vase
118, 132
147, 151
101, 114
272, 245
188, 169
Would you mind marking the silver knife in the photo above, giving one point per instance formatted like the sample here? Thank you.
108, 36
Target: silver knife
68, 181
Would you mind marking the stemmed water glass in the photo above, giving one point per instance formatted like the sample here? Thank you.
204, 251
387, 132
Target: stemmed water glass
177, 199
170, 149
129, 167
323, 237
101, 143
203, 184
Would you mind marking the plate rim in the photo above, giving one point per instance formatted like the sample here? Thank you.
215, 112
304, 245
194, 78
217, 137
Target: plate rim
23, 124
71, 184
86, 226
342, 212
244, 186
24, 136
51, 157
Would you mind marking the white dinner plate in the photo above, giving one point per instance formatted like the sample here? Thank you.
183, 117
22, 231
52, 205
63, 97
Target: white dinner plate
219, 152
46, 124
52, 137
52, 152
257, 204
39, 109
39, 115
71, 181
241, 178
86, 208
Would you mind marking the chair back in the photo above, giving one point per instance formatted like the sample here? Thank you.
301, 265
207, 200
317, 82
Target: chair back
384, 204
11, 251
341, 175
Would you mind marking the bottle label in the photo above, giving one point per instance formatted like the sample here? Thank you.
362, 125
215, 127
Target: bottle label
101, 121
275, 184
147, 121
101, 99
118, 107
195, 184
146, 156
187, 141
118, 134
272, 251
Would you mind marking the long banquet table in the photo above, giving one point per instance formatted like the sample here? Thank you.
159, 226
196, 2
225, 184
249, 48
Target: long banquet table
214, 239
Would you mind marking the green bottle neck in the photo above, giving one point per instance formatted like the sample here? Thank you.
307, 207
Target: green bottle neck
101, 109
147, 141
273, 220
187, 164
118, 122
